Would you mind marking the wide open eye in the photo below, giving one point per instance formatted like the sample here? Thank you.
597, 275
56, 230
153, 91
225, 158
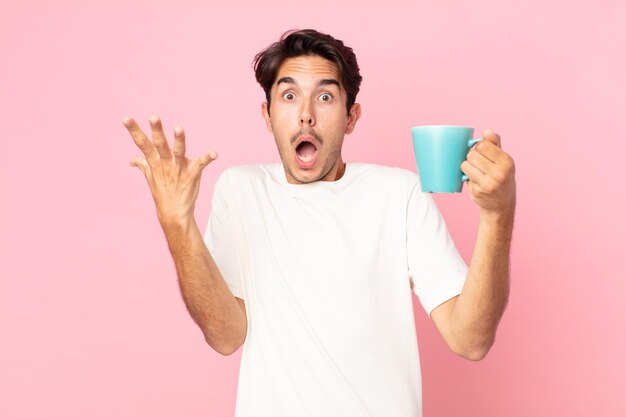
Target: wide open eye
326, 97
288, 95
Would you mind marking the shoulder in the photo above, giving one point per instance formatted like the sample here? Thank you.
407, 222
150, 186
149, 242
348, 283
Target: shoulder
387, 175
238, 174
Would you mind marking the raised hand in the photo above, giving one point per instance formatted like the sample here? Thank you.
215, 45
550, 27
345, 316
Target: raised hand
491, 173
174, 180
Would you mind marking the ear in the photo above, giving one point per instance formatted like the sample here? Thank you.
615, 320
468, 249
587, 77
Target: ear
355, 114
266, 116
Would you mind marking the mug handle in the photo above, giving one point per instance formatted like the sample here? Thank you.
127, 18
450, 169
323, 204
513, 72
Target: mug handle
470, 143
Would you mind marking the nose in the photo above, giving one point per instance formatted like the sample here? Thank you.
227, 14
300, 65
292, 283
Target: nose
306, 115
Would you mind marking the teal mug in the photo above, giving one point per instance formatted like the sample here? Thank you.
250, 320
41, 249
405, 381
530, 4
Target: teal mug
439, 152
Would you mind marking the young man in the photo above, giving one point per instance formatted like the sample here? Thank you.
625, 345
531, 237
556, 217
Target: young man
311, 261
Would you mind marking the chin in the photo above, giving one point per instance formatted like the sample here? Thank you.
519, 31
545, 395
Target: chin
305, 176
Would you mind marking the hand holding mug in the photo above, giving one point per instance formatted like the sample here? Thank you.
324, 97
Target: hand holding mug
491, 174
174, 180
447, 156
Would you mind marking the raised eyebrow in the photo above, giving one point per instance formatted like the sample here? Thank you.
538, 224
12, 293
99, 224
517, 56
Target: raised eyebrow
325, 81
287, 80
328, 81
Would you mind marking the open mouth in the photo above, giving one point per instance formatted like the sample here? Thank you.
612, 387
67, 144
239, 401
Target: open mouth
306, 154
306, 151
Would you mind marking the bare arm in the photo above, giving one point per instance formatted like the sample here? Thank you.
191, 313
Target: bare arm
209, 301
174, 182
469, 321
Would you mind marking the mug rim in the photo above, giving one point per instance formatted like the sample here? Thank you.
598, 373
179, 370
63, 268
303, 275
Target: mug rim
441, 126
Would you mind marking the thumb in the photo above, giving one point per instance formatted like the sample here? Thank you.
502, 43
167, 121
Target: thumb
140, 163
205, 160
493, 137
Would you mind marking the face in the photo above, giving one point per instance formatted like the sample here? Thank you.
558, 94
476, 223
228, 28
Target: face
308, 104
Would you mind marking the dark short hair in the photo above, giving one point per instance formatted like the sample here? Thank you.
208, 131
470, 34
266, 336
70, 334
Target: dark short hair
295, 43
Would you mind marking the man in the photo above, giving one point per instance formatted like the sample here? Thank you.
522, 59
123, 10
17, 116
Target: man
311, 261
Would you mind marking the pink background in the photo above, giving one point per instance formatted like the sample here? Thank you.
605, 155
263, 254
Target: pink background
91, 319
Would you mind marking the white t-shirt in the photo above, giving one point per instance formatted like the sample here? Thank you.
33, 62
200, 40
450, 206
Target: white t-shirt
324, 271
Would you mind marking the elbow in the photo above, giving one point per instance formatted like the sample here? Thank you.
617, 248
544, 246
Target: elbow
232, 349
228, 352
227, 339
474, 351
224, 350
474, 355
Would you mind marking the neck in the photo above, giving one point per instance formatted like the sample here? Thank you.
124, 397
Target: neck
340, 170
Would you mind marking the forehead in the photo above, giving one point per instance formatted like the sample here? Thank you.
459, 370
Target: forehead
311, 67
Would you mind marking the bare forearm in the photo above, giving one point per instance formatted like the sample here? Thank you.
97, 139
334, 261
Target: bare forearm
484, 297
209, 301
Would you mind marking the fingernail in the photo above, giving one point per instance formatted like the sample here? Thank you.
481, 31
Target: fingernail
178, 130
213, 155
126, 121
153, 119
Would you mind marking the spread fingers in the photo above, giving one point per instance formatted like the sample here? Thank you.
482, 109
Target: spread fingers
140, 139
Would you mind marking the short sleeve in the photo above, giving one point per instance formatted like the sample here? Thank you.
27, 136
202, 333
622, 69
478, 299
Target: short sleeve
220, 239
437, 269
